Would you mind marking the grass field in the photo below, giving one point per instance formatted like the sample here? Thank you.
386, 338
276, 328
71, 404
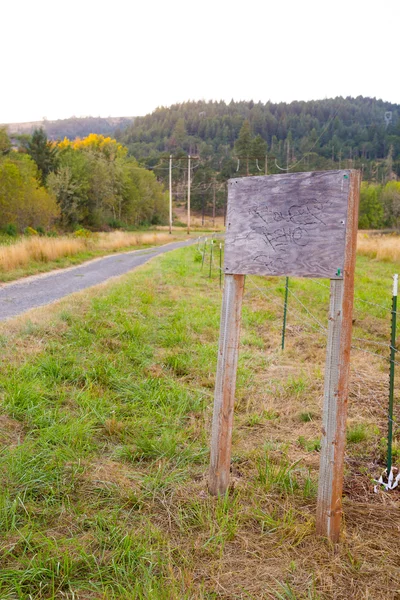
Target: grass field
106, 405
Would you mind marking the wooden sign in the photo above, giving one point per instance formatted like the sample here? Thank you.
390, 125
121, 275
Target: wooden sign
302, 224
292, 224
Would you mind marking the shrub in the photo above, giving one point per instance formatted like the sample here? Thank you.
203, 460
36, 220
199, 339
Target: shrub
156, 220
357, 433
11, 230
116, 224
30, 231
82, 233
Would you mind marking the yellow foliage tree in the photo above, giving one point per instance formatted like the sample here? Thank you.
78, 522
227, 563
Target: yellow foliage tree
98, 144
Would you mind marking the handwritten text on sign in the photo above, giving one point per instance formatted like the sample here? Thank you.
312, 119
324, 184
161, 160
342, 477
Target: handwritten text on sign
292, 224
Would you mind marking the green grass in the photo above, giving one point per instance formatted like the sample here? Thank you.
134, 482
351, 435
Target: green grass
105, 411
357, 433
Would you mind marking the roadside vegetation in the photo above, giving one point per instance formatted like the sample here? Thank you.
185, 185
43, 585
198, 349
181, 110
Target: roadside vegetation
65, 185
106, 405
34, 254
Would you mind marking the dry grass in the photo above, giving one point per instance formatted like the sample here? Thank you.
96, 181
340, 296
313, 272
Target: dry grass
38, 250
380, 247
196, 220
123, 239
44, 250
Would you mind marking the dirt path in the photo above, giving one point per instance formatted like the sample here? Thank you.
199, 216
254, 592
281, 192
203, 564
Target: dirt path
22, 295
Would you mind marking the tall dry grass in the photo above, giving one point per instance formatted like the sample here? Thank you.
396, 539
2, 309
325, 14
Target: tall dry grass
44, 250
380, 247
124, 239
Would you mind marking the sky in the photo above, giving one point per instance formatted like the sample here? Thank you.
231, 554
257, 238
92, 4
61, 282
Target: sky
112, 58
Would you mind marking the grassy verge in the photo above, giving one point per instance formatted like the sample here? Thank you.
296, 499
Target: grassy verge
106, 404
29, 256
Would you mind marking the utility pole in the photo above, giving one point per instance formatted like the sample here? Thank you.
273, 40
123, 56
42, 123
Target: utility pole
288, 156
266, 164
214, 204
225, 204
170, 193
188, 198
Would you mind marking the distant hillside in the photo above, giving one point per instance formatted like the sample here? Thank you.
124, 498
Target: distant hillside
73, 127
246, 138
336, 131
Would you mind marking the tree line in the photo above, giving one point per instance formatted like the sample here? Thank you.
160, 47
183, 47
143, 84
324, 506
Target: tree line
97, 180
89, 182
337, 130
248, 138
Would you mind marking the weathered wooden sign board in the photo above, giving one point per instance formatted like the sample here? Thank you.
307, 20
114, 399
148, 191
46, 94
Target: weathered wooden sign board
292, 224
304, 225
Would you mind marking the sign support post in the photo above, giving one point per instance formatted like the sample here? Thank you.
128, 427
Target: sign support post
225, 385
336, 391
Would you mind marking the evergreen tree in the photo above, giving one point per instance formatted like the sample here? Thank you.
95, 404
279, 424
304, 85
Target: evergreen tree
43, 153
258, 151
243, 144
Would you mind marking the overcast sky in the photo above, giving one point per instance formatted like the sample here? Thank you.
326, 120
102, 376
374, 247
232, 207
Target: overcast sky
112, 58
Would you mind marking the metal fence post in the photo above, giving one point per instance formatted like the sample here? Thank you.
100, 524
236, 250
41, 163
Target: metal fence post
285, 312
220, 264
391, 380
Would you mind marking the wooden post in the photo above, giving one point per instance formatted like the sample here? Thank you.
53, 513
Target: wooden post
225, 205
213, 214
188, 197
329, 507
225, 385
170, 193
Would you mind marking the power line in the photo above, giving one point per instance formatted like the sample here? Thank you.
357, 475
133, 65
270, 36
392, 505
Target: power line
313, 146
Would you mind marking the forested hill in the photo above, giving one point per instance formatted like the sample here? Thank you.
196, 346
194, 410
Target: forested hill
72, 128
356, 132
248, 138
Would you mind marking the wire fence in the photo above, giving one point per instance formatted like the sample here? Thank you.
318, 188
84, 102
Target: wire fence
308, 315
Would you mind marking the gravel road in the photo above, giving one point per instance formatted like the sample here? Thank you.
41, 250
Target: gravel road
24, 294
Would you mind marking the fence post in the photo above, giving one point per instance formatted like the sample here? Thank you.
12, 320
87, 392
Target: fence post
285, 312
211, 255
329, 504
204, 253
220, 264
225, 385
391, 380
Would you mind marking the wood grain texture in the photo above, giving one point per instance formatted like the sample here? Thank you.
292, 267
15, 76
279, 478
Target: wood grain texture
329, 506
330, 411
292, 224
225, 385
